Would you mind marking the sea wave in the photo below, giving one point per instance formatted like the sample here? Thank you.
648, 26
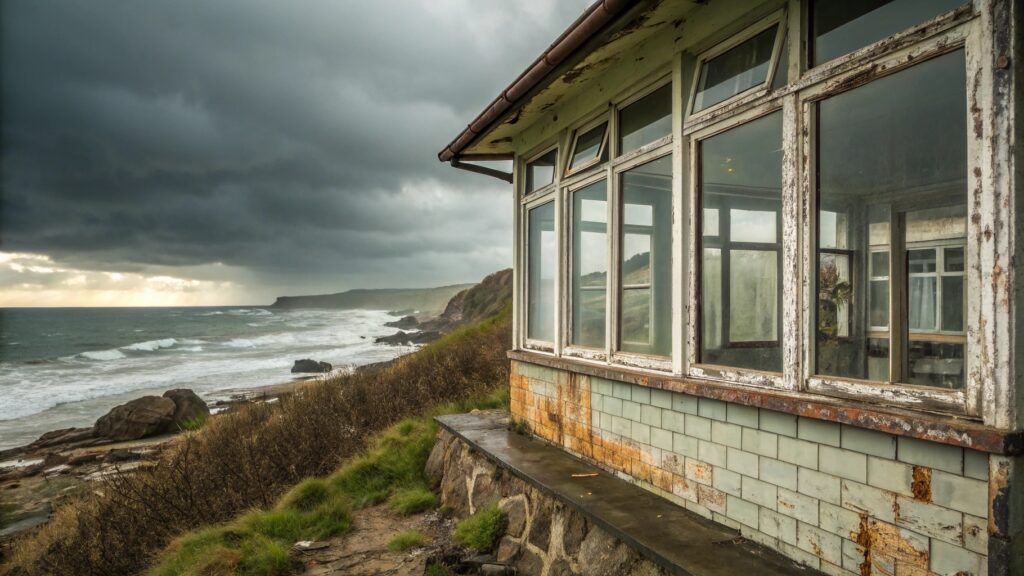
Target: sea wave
103, 355
151, 345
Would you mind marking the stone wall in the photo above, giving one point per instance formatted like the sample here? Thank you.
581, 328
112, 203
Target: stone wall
841, 499
543, 536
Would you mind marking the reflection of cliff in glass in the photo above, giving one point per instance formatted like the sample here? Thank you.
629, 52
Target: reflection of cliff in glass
540, 273
646, 259
741, 288
892, 227
589, 264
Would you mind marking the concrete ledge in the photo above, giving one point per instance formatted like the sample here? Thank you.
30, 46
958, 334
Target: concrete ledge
677, 540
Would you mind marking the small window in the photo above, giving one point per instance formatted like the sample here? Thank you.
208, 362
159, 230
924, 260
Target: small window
540, 272
741, 287
589, 264
735, 71
541, 172
646, 120
645, 265
842, 27
588, 148
892, 163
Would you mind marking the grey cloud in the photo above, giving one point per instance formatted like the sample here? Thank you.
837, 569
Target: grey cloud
295, 141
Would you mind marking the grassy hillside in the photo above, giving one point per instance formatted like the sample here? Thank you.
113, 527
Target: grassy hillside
250, 458
429, 301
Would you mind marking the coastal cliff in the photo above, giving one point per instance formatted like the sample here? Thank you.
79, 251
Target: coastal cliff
425, 301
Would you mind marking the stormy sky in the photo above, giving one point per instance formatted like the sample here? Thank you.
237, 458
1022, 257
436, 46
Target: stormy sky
220, 152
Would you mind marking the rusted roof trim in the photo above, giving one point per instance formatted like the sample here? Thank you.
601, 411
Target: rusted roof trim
593, 19
925, 426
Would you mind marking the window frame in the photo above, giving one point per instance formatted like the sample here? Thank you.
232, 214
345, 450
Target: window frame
787, 280
528, 201
574, 138
569, 190
964, 401
754, 92
554, 172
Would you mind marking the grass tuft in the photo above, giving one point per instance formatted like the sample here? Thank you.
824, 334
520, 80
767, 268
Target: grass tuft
405, 541
307, 495
413, 501
481, 531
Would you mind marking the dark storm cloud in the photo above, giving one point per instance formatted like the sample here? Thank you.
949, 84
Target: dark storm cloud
295, 141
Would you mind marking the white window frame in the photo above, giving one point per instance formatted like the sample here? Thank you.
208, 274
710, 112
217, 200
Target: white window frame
776, 18
603, 118
528, 201
963, 35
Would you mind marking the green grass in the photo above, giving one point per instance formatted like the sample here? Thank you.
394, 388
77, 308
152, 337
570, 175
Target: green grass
413, 501
481, 531
7, 514
391, 470
405, 541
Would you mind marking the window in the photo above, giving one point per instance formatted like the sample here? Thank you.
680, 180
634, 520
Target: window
589, 265
736, 70
645, 265
542, 250
892, 165
842, 27
541, 172
741, 290
588, 148
646, 120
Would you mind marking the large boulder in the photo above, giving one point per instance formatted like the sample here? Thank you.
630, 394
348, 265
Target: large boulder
189, 408
404, 322
307, 366
142, 417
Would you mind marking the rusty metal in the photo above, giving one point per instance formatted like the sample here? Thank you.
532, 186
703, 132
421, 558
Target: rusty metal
504, 176
596, 17
937, 428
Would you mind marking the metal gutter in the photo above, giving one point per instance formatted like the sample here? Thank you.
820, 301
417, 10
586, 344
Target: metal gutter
593, 19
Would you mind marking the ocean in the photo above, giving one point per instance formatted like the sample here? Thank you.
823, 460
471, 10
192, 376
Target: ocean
64, 367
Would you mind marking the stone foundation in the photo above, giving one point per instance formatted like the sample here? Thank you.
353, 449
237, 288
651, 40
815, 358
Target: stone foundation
543, 536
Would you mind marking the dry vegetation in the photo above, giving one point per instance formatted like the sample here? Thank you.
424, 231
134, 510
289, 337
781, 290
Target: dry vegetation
249, 458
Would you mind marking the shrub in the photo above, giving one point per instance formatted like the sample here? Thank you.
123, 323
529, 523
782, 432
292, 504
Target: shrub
248, 458
413, 501
405, 540
481, 531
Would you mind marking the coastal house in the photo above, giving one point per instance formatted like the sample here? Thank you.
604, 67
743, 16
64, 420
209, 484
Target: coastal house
765, 268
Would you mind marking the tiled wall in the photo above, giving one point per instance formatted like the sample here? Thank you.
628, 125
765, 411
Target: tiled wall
841, 499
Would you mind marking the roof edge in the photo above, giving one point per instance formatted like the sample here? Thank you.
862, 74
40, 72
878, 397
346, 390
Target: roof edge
593, 19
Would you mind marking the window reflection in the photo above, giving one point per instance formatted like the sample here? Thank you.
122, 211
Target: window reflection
589, 264
541, 273
736, 70
646, 259
541, 171
842, 27
892, 198
741, 193
646, 120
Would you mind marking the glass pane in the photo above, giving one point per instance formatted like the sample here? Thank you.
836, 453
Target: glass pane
953, 260
780, 78
936, 364
753, 296
878, 316
879, 264
590, 264
891, 151
835, 288
919, 261
646, 120
541, 171
953, 303
842, 27
637, 320
736, 70
646, 265
921, 303
588, 146
753, 226
741, 175
541, 273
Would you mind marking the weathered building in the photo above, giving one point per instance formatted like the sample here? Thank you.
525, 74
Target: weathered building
764, 267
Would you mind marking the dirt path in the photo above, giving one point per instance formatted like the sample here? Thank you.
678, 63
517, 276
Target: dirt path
364, 550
